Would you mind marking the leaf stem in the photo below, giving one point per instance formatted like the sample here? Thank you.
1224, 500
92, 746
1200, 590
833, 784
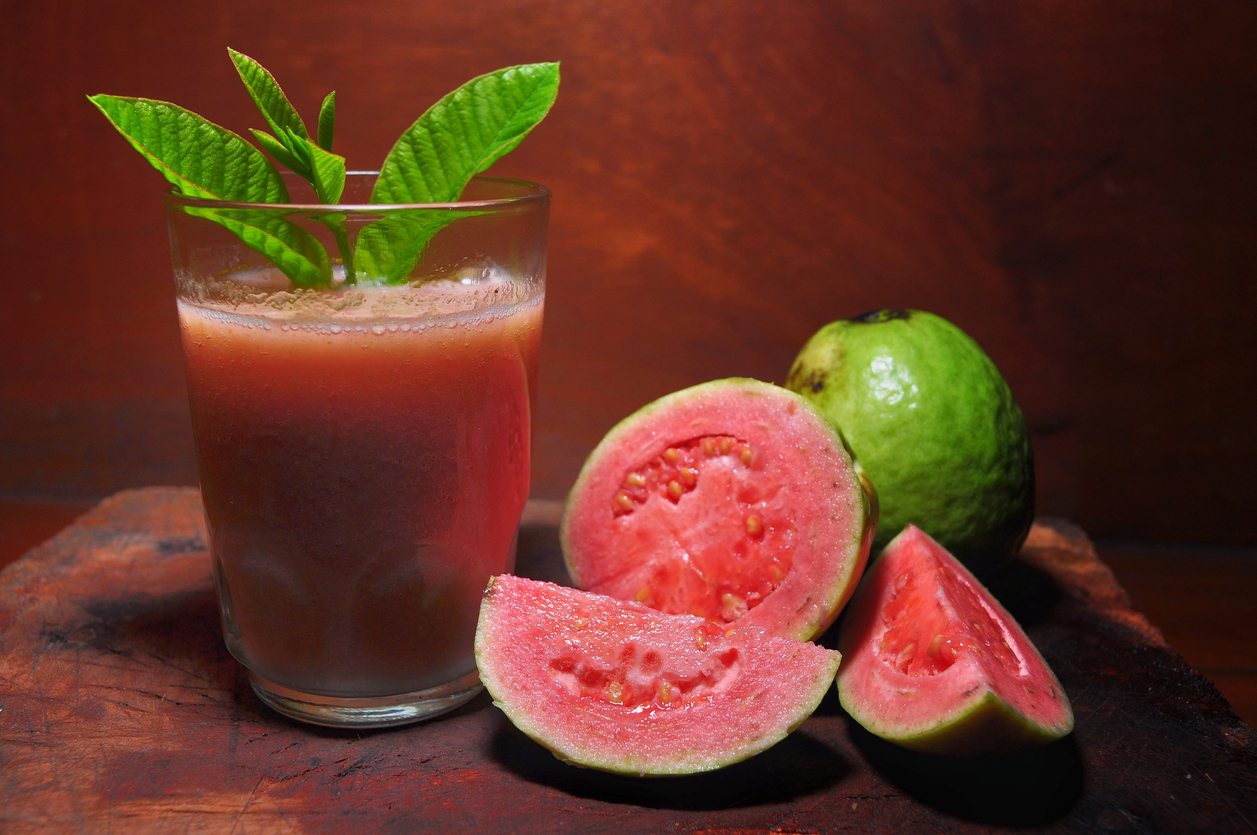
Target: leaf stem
346, 251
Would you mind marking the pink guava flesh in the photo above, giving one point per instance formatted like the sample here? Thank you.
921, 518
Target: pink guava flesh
618, 686
934, 663
735, 501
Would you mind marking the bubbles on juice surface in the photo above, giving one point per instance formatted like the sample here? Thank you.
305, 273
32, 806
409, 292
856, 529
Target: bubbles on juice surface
256, 299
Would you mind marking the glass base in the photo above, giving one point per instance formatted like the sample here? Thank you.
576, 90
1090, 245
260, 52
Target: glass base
371, 712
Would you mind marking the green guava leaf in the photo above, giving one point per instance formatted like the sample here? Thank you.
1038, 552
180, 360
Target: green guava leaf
388, 249
267, 95
458, 137
280, 152
204, 160
200, 158
300, 149
327, 173
296, 252
464, 133
327, 121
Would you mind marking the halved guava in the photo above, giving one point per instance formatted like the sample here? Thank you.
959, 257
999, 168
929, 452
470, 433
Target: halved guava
614, 685
734, 500
934, 663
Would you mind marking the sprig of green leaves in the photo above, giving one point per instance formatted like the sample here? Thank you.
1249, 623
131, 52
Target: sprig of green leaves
458, 137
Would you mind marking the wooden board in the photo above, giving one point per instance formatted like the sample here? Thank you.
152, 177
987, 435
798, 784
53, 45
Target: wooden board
120, 710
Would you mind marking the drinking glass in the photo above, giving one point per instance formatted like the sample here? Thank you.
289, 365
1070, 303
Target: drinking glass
363, 442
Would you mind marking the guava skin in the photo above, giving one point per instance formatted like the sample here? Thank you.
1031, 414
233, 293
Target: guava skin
932, 422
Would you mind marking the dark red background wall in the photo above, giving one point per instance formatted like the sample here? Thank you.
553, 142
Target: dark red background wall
1071, 182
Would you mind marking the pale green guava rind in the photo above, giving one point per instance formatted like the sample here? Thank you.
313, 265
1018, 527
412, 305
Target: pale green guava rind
832, 504
932, 422
977, 706
545, 653
986, 725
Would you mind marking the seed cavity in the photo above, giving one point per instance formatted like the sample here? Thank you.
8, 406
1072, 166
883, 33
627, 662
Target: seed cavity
943, 618
733, 606
724, 468
704, 634
639, 678
680, 465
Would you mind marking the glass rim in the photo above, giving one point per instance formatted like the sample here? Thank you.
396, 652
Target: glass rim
533, 193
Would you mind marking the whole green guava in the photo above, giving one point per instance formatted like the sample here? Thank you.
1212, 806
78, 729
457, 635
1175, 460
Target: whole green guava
932, 423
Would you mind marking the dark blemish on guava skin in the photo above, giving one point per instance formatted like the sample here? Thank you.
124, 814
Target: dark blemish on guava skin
814, 381
876, 317
795, 370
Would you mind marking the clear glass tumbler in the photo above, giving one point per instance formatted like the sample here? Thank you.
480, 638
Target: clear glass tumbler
363, 440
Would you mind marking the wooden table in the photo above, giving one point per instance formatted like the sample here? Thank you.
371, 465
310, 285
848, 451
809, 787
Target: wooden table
120, 710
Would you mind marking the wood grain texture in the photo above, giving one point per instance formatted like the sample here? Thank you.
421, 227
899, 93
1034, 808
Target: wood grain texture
121, 711
1071, 182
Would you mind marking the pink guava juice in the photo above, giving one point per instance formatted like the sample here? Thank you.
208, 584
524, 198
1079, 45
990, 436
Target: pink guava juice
363, 474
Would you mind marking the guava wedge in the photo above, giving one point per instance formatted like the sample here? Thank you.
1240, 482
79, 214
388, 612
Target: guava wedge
733, 500
617, 686
934, 663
